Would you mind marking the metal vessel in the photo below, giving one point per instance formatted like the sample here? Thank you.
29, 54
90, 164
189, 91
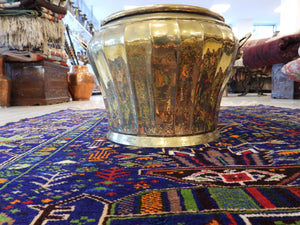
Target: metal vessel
163, 70
81, 83
5, 86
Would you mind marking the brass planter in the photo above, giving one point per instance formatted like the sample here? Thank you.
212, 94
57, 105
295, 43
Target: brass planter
163, 70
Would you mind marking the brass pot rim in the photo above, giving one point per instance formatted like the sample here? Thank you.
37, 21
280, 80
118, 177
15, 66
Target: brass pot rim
162, 8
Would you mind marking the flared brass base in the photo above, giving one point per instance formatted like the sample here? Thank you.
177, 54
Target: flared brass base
159, 142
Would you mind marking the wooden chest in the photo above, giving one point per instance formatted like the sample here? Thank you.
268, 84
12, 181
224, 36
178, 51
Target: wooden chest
38, 83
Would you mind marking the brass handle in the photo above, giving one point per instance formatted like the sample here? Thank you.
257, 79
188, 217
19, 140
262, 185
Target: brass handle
244, 39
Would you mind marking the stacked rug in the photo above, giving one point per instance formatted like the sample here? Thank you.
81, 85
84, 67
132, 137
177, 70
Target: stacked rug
59, 168
270, 51
32, 30
292, 68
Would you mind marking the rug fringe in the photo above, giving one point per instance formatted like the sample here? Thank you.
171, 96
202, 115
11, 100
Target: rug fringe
23, 31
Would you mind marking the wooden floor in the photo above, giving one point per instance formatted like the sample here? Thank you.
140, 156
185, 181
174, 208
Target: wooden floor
16, 113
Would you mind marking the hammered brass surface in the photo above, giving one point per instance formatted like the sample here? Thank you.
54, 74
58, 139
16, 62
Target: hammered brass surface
163, 74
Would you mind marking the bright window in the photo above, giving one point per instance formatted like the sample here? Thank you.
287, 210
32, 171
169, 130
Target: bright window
263, 31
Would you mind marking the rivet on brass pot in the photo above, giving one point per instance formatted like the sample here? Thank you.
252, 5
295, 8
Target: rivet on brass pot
5, 86
81, 82
163, 70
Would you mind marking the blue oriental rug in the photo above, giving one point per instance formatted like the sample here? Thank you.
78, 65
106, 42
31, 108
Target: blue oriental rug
60, 169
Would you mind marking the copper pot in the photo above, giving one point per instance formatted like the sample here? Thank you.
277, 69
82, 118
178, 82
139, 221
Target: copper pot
163, 70
81, 82
5, 86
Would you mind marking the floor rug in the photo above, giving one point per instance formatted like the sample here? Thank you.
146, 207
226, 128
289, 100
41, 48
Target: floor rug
59, 168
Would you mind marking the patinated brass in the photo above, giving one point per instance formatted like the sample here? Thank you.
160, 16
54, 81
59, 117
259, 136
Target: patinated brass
163, 70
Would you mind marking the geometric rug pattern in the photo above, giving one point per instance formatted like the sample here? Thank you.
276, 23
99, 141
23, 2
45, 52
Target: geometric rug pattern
60, 168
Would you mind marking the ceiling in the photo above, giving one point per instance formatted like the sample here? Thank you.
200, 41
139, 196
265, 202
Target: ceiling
261, 12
